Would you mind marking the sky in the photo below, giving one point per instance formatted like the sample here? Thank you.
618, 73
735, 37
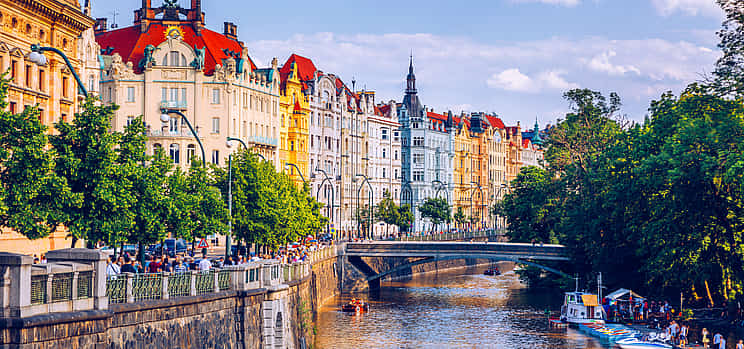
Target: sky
514, 58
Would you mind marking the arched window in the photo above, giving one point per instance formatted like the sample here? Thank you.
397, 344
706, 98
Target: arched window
173, 127
175, 153
190, 152
156, 147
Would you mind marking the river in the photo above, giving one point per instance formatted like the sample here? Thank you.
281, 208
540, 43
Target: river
449, 309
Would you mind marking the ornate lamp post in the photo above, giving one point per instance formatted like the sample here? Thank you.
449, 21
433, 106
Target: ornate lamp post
37, 56
371, 201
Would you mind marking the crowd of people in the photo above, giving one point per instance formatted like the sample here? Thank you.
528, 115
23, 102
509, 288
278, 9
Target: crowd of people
126, 263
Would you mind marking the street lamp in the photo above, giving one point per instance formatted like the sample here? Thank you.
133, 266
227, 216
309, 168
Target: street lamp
228, 238
289, 164
404, 186
165, 117
498, 194
371, 201
37, 56
328, 179
471, 200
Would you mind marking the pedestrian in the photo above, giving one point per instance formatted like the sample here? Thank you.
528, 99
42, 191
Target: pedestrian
705, 340
204, 263
740, 345
111, 268
128, 267
166, 265
154, 266
179, 267
717, 340
683, 336
722, 345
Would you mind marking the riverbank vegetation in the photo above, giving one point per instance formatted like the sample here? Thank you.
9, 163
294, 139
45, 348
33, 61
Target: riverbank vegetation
656, 206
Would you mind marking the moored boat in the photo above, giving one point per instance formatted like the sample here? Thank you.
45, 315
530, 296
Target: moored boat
492, 270
581, 308
635, 343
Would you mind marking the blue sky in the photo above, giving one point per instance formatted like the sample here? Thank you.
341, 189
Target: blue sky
511, 57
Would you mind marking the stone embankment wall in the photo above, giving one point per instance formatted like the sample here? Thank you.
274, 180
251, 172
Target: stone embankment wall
279, 316
274, 317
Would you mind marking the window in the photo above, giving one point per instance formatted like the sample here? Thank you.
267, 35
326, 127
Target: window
65, 93
130, 94
41, 80
216, 157
418, 176
91, 82
190, 152
383, 173
156, 147
173, 127
418, 141
183, 95
384, 134
396, 174
291, 145
396, 136
14, 71
175, 153
396, 155
384, 154
130, 119
164, 94
216, 96
418, 159
215, 125
28, 76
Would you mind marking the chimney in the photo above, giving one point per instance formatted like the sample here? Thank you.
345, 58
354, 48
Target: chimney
231, 30
101, 25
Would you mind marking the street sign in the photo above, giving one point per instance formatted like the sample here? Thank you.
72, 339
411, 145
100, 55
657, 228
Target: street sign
203, 244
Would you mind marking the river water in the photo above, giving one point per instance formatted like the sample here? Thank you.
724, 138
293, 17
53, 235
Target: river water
450, 309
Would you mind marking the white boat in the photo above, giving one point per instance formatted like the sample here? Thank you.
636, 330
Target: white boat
581, 308
635, 343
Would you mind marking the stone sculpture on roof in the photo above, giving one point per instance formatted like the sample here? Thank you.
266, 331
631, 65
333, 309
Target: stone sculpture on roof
148, 61
198, 62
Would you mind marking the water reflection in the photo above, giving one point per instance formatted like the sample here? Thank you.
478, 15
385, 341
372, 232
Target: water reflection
449, 310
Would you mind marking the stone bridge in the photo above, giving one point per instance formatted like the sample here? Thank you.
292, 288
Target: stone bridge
415, 253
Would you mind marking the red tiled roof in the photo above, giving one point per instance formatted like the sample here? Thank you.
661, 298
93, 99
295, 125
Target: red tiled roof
496, 122
525, 143
130, 44
305, 67
384, 109
435, 116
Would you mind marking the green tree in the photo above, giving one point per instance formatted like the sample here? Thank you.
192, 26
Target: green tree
530, 206
405, 218
460, 217
437, 210
728, 76
31, 193
387, 211
88, 159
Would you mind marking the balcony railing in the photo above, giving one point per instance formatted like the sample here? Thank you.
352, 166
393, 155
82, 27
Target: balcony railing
174, 105
263, 140
182, 132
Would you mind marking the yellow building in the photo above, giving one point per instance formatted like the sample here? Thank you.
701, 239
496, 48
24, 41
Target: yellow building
470, 167
54, 23
294, 110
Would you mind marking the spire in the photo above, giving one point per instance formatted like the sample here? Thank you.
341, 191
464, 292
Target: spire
536, 134
411, 78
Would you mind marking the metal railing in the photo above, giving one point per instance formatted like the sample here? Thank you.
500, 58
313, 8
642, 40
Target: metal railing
461, 235
179, 105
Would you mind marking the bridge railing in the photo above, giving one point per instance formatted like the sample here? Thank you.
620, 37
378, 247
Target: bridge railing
461, 235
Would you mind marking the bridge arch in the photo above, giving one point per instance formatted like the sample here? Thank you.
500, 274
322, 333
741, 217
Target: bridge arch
470, 256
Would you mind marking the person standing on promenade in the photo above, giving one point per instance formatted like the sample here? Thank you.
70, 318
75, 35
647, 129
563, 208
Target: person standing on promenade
705, 339
717, 340
740, 345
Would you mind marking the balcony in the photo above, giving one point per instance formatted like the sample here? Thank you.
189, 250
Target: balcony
183, 132
263, 140
174, 105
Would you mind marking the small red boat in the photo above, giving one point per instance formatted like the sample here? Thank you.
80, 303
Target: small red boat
494, 270
355, 307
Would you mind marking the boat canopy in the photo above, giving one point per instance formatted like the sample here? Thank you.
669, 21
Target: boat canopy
623, 294
589, 300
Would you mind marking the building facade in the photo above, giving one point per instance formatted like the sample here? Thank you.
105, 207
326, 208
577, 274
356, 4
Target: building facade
51, 23
168, 61
426, 150
294, 113
384, 157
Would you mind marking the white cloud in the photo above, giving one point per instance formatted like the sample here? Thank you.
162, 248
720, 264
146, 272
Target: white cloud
689, 7
514, 80
568, 3
511, 80
601, 63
